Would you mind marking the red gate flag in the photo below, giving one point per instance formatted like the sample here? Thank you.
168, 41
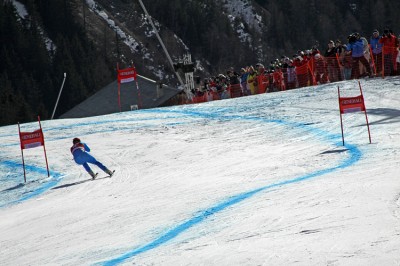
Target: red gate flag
31, 139
126, 75
350, 105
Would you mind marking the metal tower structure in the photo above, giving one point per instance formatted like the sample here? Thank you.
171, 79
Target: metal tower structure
161, 42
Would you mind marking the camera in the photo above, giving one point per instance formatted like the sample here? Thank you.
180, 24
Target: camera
352, 38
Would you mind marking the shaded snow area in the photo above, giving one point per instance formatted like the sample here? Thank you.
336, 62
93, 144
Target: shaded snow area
259, 180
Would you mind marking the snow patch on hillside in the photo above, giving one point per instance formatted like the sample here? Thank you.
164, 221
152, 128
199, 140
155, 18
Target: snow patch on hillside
240, 30
134, 45
21, 10
244, 9
23, 14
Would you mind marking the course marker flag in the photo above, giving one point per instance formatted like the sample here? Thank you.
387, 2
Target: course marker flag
125, 76
350, 105
32, 140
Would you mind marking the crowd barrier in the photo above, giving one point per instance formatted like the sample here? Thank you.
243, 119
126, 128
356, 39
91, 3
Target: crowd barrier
308, 71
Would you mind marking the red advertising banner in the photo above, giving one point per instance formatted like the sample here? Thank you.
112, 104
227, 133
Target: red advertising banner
126, 75
31, 139
351, 104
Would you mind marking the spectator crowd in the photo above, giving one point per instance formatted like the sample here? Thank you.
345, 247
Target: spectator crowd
358, 57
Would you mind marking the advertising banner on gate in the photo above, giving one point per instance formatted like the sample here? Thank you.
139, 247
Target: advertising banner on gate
350, 105
126, 75
31, 139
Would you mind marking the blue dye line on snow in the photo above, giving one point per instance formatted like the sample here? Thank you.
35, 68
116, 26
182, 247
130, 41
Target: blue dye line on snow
53, 180
55, 176
354, 152
355, 155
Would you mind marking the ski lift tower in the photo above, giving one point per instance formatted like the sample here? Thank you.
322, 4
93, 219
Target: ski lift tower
162, 45
188, 69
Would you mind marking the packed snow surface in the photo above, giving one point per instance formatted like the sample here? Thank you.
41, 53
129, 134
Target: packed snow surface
260, 180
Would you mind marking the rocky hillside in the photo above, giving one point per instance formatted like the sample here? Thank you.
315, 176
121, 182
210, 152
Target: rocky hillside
217, 34
224, 33
41, 40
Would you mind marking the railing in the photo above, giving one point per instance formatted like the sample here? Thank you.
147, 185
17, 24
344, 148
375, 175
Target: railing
309, 71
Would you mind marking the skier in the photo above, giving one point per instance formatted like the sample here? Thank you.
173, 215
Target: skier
80, 151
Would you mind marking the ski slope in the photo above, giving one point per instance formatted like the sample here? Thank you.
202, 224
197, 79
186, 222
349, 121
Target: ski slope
260, 180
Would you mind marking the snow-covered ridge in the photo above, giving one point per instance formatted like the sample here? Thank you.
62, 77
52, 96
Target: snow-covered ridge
21, 10
23, 14
244, 9
130, 41
135, 45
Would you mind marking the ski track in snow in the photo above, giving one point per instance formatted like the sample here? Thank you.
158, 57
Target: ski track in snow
181, 117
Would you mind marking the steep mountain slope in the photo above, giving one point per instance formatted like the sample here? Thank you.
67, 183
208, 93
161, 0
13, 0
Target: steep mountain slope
87, 38
216, 40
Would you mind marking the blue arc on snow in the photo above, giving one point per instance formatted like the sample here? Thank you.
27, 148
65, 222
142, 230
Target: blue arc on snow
354, 156
53, 180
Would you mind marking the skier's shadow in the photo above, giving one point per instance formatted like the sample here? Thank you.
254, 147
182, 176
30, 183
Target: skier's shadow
20, 185
334, 151
79, 182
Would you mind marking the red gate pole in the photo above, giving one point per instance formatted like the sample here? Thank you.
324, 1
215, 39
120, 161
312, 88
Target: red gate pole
119, 96
139, 97
341, 121
22, 152
119, 88
383, 62
44, 147
365, 112
373, 59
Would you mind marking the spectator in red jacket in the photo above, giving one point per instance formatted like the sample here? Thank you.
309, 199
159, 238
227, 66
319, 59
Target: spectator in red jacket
301, 68
321, 73
389, 52
398, 56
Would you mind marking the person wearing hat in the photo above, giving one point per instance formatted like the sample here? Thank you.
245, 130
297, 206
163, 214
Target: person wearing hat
80, 151
332, 63
252, 81
376, 48
320, 70
367, 54
243, 81
356, 49
389, 51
